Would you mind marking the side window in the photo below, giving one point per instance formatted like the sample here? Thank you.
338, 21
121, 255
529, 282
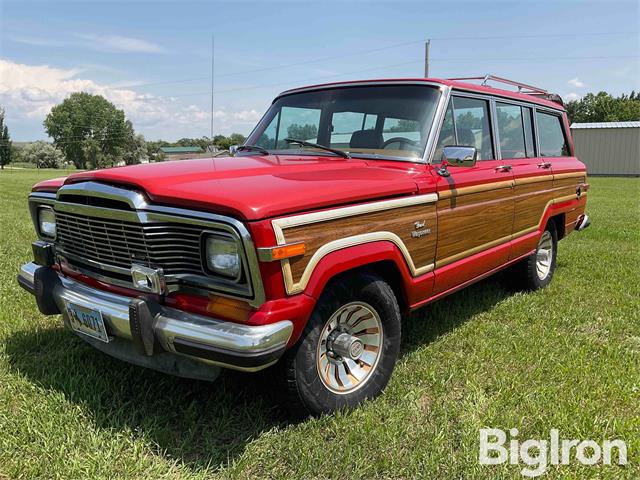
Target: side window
471, 120
447, 133
343, 124
550, 136
510, 130
466, 123
294, 122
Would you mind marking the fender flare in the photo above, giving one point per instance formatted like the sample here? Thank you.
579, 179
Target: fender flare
353, 257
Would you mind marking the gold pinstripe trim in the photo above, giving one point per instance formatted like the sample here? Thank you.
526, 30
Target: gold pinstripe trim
508, 238
346, 243
536, 179
560, 176
475, 189
471, 251
280, 224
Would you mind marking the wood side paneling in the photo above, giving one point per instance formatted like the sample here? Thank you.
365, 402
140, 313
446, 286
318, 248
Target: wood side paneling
468, 221
399, 221
530, 202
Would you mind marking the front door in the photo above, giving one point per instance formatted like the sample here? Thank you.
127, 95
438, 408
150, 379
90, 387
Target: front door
476, 205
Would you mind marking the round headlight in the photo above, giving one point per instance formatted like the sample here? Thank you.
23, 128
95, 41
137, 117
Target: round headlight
222, 256
47, 222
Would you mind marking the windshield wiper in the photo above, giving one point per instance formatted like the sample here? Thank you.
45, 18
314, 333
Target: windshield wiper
304, 143
255, 148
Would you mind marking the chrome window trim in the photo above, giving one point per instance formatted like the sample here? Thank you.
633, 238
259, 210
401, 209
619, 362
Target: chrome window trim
495, 133
438, 120
506, 96
146, 212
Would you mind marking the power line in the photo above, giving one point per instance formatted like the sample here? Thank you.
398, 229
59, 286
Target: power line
379, 49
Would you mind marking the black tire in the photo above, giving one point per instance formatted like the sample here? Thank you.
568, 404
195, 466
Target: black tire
308, 394
528, 269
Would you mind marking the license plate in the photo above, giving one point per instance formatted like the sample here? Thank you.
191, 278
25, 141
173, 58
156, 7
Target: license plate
87, 321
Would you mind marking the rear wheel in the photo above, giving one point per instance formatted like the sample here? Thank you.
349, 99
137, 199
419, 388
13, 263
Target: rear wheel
536, 271
348, 349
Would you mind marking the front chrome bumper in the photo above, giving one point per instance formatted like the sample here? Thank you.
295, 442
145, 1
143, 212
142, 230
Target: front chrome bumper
197, 339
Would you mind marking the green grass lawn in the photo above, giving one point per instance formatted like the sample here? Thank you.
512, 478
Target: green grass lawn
566, 357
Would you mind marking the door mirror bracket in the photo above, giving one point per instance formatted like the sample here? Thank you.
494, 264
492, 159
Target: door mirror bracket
442, 171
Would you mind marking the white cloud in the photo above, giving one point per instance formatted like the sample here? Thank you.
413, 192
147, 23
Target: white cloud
35, 41
28, 92
571, 96
121, 44
575, 82
108, 43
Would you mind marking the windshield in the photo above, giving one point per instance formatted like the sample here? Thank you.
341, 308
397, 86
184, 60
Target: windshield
388, 121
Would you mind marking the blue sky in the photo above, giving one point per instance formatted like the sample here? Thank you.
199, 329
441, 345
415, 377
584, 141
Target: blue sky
153, 58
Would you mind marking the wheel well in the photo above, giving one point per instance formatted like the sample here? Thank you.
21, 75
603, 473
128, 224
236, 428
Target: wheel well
558, 220
388, 271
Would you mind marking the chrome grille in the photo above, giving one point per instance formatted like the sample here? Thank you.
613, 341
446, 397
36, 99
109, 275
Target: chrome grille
173, 246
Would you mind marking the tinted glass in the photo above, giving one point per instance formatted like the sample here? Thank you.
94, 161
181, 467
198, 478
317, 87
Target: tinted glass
345, 123
510, 130
359, 120
550, 136
471, 122
447, 134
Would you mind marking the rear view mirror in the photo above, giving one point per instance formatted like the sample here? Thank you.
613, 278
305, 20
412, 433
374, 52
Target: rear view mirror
460, 156
233, 149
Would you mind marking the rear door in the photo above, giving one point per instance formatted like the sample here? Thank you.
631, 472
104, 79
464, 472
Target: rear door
475, 207
532, 173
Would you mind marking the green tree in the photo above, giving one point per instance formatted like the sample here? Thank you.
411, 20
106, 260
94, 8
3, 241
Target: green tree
43, 155
302, 132
135, 150
5, 142
89, 129
153, 150
224, 143
604, 107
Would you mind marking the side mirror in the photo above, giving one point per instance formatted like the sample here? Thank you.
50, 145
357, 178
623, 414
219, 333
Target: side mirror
233, 149
460, 156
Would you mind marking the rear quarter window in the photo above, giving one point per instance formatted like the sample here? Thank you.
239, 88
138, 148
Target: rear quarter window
551, 138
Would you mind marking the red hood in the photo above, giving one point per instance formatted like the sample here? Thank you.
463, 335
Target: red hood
259, 187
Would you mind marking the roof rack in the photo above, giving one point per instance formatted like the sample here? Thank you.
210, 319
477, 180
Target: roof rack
522, 87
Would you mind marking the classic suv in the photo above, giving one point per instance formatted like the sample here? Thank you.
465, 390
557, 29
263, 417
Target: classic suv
348, 205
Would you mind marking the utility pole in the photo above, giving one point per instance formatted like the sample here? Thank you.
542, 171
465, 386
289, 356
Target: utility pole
212, 72
426, 58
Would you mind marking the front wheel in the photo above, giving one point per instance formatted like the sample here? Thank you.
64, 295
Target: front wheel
348, 349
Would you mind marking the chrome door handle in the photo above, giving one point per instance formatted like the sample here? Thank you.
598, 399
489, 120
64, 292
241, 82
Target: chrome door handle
544, 165
503, 168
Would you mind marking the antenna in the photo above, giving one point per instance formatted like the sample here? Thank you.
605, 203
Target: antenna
212, 77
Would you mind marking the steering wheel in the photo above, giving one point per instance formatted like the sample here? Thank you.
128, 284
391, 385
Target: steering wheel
402, 141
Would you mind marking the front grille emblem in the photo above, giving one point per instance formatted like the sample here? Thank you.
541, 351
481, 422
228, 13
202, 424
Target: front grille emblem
148, 279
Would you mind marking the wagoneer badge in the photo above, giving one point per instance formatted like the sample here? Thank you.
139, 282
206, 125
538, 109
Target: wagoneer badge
420, 231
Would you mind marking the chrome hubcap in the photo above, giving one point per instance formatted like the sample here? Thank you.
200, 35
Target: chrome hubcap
544, 255
349, 347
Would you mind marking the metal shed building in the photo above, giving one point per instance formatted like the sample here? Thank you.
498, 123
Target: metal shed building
608, 148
